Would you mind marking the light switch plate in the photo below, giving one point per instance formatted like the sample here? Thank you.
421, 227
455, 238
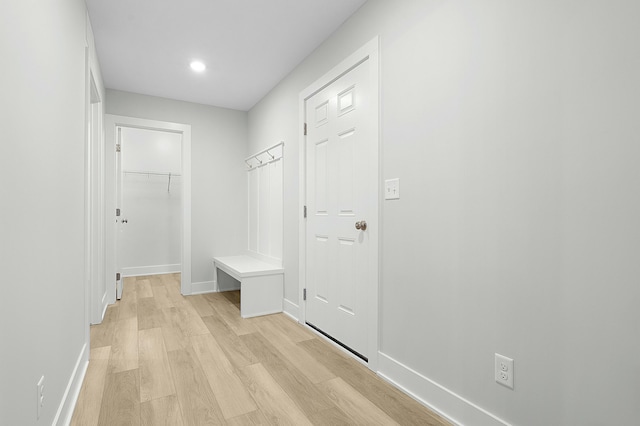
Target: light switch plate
392, 189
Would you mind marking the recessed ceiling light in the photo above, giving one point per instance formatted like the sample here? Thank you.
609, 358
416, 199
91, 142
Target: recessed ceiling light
197, 66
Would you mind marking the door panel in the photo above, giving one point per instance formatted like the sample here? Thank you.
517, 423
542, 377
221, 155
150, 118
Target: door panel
346, 283
321, 184
322, 265
340, 192
119, 221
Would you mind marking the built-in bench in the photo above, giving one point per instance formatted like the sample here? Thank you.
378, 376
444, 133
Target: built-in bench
261, 283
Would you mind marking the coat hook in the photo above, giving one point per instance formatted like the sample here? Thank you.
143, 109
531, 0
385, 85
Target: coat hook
272, 157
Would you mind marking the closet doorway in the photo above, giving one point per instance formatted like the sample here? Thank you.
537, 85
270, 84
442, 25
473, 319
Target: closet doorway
151, 196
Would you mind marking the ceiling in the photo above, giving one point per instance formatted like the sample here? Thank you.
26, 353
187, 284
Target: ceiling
248, 46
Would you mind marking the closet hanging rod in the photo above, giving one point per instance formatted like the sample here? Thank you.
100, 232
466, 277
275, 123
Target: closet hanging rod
264, 151
136, 172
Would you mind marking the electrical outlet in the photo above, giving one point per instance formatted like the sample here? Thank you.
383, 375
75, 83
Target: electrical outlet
40, 400
504, 370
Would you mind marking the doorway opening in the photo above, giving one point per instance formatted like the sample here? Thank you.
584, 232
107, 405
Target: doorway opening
149, 199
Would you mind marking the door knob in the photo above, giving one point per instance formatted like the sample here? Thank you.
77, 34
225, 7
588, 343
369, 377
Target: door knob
124, 221
362, 225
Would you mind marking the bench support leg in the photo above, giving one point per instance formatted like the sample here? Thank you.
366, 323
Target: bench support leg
261, 295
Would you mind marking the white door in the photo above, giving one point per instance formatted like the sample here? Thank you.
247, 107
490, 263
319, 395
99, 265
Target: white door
342, 170
120, 219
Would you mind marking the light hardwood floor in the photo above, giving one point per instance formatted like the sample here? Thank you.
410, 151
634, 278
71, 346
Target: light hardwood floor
160, 358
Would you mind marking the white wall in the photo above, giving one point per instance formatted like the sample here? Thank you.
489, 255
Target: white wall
151, 239
219, 182
513, 129
151, 151
43, 320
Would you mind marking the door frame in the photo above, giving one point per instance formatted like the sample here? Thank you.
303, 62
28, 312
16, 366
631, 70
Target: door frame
112, 122
367, 52
96, 298
95, 208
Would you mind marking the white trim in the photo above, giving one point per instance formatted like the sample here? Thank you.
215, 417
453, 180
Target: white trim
291, 309
204, 287
94, 182
71, 393
137, 271
435, 396
336, 72
185, 277
302, 223
112, 122
367, 52
104, 311
89, 175
96, 226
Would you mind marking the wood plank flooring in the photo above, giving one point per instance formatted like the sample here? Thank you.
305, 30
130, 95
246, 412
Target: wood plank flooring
160, 358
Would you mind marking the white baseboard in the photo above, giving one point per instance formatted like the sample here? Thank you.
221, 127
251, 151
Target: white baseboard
138, 271
443, 401
104, 311
291, 309
204, 287
70, 397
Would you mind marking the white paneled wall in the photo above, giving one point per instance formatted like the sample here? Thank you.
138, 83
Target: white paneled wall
276, 221
254, 183
266, 204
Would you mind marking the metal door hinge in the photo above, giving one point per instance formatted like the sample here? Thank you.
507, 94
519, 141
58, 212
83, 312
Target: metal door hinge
117, 212
304, 294
305, 129
117, 276
304, 212
118, 147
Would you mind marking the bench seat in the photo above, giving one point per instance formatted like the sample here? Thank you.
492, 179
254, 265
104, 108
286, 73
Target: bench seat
261, 283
